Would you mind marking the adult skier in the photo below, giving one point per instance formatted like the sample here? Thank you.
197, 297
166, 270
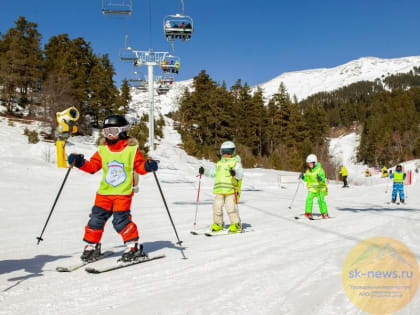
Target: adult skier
317, 187
344, 173
119, 157
398, 186
227, 185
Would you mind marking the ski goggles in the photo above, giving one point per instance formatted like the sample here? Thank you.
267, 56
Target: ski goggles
113, 131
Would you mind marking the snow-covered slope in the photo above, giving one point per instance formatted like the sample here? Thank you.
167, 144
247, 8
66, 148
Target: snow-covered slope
307, 82
300, 83
284, 266
163, 103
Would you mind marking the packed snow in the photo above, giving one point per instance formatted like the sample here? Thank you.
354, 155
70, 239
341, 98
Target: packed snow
284, 266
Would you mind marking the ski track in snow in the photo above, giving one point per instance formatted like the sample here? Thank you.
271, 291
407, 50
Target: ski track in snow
285, 266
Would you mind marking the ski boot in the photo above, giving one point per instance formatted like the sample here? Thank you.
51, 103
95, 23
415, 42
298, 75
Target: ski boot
308, 215
216, 227
234, 228
92, 252
134, 252
393, 200
325, 216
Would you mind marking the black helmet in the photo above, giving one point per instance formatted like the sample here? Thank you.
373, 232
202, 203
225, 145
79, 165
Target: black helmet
115, 121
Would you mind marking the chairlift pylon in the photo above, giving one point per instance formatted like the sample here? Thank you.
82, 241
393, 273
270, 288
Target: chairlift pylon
121, 7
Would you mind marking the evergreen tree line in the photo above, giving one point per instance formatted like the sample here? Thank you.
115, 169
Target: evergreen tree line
63, 73
388, 110
278, 135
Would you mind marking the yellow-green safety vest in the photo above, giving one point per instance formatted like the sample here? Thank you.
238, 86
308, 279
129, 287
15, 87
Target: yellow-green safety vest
117, 167
398, 177
224, 183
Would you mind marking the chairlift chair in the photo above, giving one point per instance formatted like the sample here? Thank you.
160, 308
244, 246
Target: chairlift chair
162, 89
178, 26
121, 7
171, 64
127, 54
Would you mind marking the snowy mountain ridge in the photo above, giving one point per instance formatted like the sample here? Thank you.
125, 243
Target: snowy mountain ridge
301, 83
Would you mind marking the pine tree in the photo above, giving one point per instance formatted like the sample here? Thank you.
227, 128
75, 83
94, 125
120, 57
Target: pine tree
20, 63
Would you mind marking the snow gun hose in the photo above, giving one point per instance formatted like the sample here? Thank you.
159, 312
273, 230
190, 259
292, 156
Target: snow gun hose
169, 214
39, 238
198, 199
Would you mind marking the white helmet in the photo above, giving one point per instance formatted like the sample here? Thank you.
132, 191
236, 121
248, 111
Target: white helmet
311, 158
227, 147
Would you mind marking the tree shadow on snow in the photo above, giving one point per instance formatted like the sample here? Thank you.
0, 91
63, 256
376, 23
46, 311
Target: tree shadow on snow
383, 211
204, 202
33, 266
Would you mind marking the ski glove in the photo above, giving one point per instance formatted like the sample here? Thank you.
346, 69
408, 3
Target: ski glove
77, 159
232, 172
151, 165
319, 178
390, 172
201, 170
301, 176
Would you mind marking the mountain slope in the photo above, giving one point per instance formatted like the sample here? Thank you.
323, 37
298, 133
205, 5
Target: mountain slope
307, 82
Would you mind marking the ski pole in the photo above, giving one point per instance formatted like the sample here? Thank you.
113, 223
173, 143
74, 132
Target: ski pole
169, 214
386, 189
198, 199
297, 188
236, 199
39, 238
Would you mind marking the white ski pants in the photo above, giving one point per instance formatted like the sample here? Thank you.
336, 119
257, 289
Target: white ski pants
229, 202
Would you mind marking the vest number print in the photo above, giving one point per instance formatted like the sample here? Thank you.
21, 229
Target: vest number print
116, 174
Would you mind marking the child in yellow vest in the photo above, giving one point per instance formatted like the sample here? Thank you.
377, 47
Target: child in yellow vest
228, 177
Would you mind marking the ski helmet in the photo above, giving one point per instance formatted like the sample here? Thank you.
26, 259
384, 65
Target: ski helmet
115, 125
311, 158
227, 147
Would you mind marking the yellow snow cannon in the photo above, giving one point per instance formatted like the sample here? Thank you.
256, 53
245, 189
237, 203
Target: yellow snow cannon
66, 121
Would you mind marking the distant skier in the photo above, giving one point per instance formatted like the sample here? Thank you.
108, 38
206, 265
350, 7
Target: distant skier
384, 172
367, 173
344, 173
317, 187
398, 187
118, 156
228, 178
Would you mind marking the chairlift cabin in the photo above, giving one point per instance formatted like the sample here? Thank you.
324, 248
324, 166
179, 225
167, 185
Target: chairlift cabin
171, 64
178, 26
121, 7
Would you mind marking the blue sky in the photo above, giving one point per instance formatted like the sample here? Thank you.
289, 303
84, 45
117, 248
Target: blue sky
251, 40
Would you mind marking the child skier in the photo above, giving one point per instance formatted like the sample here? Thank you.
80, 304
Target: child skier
398, 187
118, 156
228, 176
315, 181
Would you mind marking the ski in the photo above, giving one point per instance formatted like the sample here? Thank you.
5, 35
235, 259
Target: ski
224, 232
120, 264
79, 265
311, 219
